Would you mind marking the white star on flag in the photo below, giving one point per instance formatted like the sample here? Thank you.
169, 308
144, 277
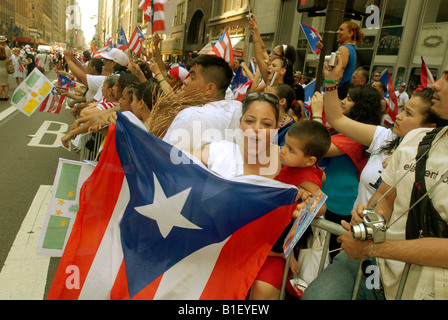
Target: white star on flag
167, 211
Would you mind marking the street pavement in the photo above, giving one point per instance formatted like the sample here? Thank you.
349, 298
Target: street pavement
30, 149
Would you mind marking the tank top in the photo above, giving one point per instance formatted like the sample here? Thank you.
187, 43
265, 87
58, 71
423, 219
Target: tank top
351, 65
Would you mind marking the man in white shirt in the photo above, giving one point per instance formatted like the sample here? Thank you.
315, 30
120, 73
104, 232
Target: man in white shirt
402, 96
217, 120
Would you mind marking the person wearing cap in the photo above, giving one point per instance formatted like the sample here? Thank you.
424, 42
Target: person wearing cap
402, 96
115, 62
176, 76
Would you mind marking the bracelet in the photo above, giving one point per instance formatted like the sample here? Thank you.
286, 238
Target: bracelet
317, 118
327, 89
331, 82
161, 80
158, 74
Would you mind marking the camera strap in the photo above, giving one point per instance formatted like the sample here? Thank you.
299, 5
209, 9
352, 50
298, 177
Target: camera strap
424, 220
423, 151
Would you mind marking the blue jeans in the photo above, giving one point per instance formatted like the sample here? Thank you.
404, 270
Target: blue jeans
337, 282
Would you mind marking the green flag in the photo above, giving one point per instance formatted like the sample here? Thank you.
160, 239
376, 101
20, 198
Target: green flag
68, 181
56, 232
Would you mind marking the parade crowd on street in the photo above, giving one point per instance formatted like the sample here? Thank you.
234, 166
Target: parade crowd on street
344, 143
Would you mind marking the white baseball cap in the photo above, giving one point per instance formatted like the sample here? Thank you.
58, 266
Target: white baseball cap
116, 55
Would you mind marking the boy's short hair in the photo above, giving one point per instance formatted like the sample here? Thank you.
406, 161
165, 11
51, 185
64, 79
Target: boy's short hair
215, 70
315, 138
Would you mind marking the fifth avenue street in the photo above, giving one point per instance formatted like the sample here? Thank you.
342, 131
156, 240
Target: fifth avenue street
30, 148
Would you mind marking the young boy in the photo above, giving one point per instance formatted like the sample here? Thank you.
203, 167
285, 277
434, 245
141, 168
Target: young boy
306, 143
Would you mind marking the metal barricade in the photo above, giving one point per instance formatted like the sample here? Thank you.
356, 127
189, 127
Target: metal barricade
337, 229
90, 146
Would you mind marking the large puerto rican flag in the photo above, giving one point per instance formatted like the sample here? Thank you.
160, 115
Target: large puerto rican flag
149, 228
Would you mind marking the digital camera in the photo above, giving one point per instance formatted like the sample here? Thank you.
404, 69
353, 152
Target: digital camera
331, 59
373, 226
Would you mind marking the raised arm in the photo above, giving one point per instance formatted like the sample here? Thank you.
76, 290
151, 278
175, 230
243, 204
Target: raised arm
158, 55
259, 47
357, 131
77, 69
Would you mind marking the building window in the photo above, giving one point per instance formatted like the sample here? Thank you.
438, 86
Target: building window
394, 13
436, 11
140, 16
179, 17
222, 6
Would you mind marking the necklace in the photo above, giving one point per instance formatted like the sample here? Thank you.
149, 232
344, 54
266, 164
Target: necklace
284, 120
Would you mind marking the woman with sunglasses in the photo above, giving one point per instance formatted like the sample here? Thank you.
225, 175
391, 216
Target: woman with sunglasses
279, 63
253, 153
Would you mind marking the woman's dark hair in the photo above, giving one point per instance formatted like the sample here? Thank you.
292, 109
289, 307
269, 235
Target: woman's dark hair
429, 117
125, 80
97, 64
285, 91
118, 68
258, 96
289, 53
289, 75
367, 107
146, 91
426, 96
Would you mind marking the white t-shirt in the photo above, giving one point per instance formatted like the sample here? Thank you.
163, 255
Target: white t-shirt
196, 126
422, 281
225, 159
94, 83
133, 118
370, 178
402, 98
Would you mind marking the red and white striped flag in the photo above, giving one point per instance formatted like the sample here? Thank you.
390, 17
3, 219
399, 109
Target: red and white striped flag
426, 77
135, 43
21, 67
159, 14
146, 5
223, 48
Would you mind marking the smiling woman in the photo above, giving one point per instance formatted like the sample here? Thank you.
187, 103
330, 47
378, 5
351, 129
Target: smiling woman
254, 154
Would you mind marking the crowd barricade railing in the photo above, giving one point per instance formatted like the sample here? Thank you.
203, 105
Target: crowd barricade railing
90, 146
337, 229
